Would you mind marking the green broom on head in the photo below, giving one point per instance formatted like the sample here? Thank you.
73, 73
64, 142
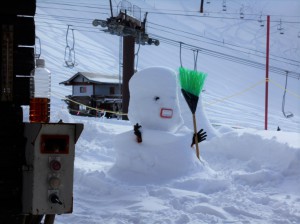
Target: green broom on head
191, 83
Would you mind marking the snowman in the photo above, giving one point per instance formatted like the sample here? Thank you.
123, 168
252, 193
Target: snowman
160, 146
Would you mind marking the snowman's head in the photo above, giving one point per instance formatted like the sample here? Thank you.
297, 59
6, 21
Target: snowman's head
154, 99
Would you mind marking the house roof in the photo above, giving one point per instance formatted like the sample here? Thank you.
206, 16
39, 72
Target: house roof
97, 78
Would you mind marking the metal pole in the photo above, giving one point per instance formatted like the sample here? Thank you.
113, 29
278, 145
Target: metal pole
120, 64
267, 72
201, 6
128, 70
111, 11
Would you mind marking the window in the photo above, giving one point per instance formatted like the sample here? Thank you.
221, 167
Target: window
111, 90
83, 89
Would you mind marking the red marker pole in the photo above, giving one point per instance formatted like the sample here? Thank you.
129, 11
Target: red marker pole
267, 72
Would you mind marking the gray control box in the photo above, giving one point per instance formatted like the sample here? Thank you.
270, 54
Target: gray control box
49, 167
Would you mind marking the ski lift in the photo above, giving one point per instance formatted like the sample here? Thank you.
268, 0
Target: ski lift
286, 114
242, 12
224, 6
127, 23
280, 28
208, 2
70, 51
261, 21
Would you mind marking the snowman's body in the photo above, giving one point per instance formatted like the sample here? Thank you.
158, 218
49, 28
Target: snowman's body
165, 148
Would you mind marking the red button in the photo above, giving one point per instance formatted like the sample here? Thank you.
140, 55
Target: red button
55, 165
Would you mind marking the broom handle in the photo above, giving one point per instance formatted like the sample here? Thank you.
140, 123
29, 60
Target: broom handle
196, 137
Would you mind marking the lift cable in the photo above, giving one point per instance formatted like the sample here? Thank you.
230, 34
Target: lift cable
213, 40
220, 17
223, 43
160, 9
230, 57
175, 43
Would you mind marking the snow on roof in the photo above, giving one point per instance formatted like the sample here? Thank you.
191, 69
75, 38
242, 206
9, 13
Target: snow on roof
94, 78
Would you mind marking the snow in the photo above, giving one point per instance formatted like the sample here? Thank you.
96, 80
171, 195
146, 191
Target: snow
246, 174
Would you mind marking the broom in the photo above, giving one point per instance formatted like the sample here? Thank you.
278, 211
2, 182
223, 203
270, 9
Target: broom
191, 83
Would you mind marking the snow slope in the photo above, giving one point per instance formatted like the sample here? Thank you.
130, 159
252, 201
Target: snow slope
249, 175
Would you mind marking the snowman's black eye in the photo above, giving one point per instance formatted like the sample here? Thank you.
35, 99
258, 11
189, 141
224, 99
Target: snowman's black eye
156, 98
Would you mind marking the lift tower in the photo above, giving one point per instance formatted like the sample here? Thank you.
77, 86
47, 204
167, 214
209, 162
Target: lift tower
127, 24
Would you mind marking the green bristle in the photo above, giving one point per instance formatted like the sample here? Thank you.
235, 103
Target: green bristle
191, 81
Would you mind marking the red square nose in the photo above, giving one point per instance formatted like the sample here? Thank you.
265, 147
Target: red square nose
166, 113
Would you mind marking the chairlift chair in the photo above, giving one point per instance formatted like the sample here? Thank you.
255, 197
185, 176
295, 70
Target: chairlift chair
280, 28
286, 114
261, 21
224, 5
242, 15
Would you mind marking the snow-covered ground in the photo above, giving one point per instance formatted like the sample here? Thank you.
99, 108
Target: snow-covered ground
246, 174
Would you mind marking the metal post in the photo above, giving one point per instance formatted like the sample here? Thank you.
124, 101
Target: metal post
201, 6
267, 72
111, 11
49, 219
128, 71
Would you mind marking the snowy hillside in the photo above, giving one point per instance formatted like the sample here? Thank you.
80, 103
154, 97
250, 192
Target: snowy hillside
247, 175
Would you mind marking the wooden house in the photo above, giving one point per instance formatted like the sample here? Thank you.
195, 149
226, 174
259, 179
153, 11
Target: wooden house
94, 94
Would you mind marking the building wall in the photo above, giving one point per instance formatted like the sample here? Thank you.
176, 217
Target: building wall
105, 89
99, 89
77, 88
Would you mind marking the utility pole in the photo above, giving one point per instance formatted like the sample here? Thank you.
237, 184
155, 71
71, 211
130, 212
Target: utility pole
128, 71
